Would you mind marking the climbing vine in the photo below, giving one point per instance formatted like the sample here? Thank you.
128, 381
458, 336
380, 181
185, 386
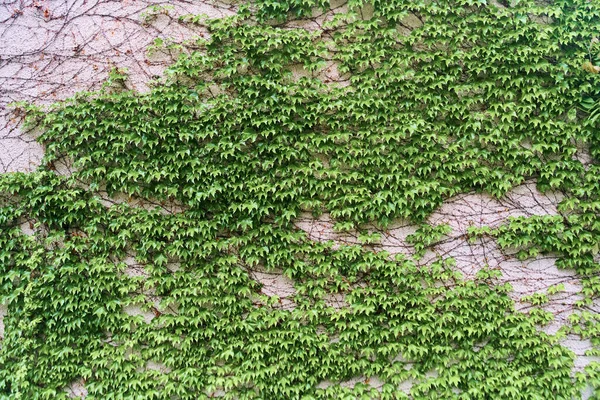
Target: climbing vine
379, 111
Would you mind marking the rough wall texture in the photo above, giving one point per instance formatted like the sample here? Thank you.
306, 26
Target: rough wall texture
49, 50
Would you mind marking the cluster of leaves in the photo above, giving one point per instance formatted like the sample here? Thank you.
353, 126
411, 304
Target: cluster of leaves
426, 236
573, 236
243, 134
215, 331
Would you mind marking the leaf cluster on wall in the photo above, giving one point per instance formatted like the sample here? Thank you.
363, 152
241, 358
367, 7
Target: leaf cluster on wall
243, 134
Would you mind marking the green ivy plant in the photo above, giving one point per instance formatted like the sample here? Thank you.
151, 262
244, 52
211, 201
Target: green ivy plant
243, 134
